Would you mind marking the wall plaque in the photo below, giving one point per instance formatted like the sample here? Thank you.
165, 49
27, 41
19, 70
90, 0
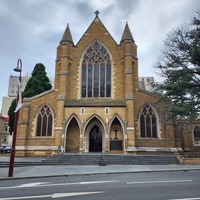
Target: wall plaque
115, 144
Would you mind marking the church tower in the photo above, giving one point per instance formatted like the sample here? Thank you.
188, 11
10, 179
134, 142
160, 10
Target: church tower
129, 62
97, 79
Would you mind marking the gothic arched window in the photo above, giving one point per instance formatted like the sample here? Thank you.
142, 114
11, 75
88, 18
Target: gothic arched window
44, 122
96, 72
196, 133
148, 122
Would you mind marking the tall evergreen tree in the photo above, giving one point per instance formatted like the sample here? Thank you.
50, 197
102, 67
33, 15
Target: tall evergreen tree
179, 65
11, 115
38, 83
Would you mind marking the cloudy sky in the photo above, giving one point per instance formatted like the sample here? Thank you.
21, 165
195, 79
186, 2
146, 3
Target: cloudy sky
32, 29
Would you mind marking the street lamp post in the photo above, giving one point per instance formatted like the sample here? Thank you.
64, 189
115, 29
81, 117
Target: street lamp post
12, 155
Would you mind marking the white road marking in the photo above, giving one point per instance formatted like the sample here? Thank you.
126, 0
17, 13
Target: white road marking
28, 197
170, 181
56, 195
197, 198
96, 182
47, 184
32, 184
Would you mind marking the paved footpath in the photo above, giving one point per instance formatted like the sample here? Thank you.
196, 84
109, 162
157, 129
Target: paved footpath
69, 170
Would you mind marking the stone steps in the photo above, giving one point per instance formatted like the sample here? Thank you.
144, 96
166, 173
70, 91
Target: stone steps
98, 159
95, 159
21, 164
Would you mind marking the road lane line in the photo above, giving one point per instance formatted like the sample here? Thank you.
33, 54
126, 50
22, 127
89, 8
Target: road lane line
55, 195
170, 181
47, 184
33, 184
96, 182
59, 195
27, 197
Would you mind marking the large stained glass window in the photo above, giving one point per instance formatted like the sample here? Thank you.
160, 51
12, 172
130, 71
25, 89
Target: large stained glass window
148, 122
96, 72
44, 122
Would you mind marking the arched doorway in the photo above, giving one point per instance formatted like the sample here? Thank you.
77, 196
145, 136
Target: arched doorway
72, 137
116, 137
95, 140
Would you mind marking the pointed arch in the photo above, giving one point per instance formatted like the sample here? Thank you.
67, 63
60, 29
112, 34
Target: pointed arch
72, 135
96, 71
70, 118
116, 135
93, 117
94, 123
91, 44
148, 121
44, 121
40, 107
116, 116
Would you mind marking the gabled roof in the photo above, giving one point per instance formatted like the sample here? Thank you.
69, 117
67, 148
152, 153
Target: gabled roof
127, 35
38, 95
100, 24
67, 37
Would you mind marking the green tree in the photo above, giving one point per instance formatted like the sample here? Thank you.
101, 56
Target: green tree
38, 83
11, 115
179, 65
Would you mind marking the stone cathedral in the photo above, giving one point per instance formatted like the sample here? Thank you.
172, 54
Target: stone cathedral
96, 104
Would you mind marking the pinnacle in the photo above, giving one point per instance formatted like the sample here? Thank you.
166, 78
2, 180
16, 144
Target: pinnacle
67, 37
127, 35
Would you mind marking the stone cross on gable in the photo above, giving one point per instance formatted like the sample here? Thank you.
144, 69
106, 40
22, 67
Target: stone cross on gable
97, 13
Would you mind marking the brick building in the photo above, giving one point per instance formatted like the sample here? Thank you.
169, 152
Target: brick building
96, 104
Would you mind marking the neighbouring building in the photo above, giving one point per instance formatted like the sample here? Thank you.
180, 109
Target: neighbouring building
12, 92
97, 105
5, 137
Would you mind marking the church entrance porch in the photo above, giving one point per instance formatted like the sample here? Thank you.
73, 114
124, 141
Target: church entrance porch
95, 140
94, 136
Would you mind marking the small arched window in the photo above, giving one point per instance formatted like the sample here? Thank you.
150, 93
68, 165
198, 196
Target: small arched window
148, 122
196, 133
44, 122
96, 72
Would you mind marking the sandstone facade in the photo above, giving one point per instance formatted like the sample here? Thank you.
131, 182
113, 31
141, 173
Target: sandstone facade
96, 104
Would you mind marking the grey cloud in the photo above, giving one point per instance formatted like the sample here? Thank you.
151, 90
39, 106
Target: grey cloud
127, 7
32, 29
83, 9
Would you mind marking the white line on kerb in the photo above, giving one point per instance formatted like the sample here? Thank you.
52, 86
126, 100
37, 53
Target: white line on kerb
197, 198
147, 182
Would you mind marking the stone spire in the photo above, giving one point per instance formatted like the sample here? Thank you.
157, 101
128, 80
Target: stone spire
67, 37
127, 34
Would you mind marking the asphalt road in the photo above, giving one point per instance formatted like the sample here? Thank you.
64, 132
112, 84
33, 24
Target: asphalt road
157, 186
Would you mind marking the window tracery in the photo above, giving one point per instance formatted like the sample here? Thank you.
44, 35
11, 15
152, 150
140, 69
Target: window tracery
96, 72
44, 122
148, 123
